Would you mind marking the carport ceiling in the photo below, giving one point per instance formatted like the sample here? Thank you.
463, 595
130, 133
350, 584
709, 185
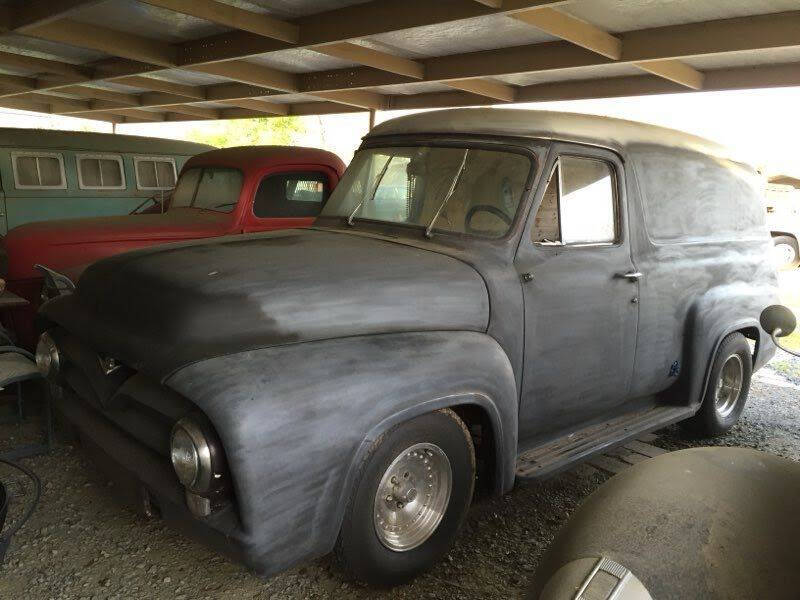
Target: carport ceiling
168, 60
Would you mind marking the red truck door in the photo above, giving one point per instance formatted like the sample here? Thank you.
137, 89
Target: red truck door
291, 196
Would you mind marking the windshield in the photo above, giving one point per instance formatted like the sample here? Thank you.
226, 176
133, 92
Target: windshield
460, 190
209, 188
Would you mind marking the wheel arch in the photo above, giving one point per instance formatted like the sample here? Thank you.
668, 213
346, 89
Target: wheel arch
747, 327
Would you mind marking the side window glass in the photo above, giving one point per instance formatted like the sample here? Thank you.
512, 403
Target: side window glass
39, 171
579, 205
292, 194
100, 172
154, 173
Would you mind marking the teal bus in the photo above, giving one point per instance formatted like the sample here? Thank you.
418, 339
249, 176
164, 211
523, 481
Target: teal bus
47, 174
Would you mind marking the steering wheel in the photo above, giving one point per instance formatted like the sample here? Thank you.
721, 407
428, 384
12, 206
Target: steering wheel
484, 208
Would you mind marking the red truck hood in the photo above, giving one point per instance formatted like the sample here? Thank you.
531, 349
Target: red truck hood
67, 243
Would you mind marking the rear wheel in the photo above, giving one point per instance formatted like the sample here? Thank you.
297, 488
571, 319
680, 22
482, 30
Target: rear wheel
787, 255
727, 389
409, 500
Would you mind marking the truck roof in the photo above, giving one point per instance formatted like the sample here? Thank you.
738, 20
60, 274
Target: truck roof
16, 137
607, 132
254, 157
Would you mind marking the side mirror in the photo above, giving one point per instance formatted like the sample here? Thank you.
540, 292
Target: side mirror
778, 320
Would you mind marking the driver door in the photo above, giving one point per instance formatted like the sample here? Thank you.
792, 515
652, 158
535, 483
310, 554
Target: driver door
580, 290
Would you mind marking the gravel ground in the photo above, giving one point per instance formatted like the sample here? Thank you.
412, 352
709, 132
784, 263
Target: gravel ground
81, 544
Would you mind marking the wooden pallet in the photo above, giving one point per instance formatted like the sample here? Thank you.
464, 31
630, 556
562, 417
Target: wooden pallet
620, 458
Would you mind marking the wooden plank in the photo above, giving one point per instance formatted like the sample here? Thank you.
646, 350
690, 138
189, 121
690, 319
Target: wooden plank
674, 70
632, 458
358, 98
41, 65
159, 85
607, 464
484, 87
246, 72
33, 13
234, 17
373, 58
260, 106
573, 30
18, 82
110, 41
645, 449
85, 91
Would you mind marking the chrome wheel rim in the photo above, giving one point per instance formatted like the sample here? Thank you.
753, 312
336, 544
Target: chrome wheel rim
729, 385
412, 497
785, 254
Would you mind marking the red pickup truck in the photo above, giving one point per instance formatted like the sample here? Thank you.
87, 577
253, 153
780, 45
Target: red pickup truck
221, 192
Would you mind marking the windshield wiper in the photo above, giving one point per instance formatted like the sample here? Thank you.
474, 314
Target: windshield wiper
456, 179
374, 191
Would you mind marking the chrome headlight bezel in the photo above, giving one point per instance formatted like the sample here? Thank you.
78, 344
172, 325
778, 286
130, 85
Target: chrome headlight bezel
48, 357
191, 455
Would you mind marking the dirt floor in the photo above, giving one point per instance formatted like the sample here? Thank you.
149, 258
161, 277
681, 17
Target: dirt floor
81, 544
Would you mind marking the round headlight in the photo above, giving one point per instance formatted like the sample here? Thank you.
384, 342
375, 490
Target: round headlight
48, 359
191, 455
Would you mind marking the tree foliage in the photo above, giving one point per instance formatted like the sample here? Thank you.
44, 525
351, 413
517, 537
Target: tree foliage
249, 132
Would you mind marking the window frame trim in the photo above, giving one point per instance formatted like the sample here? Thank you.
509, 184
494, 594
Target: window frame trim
617, 198
34, 154
115, 157
169, 159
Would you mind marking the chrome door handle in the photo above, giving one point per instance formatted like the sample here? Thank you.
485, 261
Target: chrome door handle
630, 276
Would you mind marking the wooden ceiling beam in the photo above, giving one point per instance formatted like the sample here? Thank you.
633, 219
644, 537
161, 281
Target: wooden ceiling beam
110, 41
233, 17
159, 85
17, 82
247, 72
373, 58
484, 87
357, 98
86, 91
674, 70
572, 29
41, 65
259, 106
34, 13
593, 38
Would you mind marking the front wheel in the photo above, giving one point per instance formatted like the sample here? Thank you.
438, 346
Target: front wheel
409, 501
728, 387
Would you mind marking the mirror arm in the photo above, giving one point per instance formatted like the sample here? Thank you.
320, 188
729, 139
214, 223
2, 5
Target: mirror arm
774, 335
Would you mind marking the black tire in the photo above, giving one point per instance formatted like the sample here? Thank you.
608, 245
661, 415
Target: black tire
359, 551
790, 243
710, 420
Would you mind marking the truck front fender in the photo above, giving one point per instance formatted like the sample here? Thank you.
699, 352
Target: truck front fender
296, 420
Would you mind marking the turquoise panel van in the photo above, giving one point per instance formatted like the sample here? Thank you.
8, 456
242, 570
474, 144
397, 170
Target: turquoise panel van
47, 175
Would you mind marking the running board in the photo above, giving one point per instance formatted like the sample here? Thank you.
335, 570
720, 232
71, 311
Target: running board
564, 451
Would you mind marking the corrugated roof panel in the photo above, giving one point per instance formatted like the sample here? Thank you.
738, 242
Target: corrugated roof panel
467, 35
630, 15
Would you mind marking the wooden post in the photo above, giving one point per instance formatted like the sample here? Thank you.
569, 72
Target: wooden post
371, 119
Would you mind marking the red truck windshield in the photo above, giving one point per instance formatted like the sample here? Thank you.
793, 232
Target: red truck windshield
208, 188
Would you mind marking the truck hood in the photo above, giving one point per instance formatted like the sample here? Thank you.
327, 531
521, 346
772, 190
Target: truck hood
62, 244
161, 308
